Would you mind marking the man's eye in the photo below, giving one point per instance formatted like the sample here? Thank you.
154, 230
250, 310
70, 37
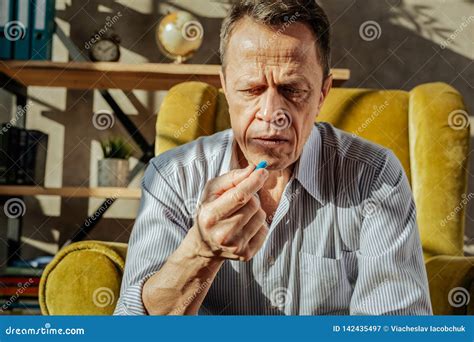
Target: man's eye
291, 90
252, 91
294, 93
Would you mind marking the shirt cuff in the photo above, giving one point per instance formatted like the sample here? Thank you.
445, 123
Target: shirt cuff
130, 302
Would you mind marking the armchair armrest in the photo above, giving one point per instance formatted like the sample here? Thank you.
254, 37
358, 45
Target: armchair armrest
83, 279
451, 284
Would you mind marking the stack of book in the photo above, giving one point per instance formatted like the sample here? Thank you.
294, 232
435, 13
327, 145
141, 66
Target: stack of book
22, 155
19, 291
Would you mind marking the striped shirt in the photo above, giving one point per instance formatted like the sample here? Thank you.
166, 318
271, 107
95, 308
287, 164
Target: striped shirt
343, 240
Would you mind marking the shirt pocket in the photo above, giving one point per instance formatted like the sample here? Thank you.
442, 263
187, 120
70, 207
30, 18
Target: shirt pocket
321, 285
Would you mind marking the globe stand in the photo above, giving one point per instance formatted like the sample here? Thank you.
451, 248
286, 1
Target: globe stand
179, 60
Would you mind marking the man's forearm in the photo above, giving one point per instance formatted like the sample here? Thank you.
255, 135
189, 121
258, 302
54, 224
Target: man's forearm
181, 285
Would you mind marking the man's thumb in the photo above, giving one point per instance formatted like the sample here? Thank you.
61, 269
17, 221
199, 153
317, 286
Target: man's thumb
230, 179
238, 175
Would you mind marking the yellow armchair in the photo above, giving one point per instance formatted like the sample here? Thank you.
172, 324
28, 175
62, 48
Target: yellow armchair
426, 128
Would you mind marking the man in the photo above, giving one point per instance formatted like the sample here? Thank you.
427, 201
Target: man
328, 228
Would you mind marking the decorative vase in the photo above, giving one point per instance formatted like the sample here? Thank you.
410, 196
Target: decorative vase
113, 172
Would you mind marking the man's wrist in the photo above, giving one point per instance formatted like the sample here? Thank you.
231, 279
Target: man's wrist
193, 250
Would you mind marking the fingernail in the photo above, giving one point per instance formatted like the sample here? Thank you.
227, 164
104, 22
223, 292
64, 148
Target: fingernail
264, 173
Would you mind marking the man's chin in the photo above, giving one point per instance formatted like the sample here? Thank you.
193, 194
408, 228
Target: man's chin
274, 162
276, 158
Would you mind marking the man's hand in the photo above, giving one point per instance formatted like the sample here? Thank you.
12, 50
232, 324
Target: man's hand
230, 220
230, 224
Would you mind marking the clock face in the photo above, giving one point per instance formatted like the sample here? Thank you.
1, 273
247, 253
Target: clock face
105, 50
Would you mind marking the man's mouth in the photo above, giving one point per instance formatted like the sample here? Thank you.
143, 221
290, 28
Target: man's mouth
271, 140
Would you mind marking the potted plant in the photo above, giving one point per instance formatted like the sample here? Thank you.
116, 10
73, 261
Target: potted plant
114, 168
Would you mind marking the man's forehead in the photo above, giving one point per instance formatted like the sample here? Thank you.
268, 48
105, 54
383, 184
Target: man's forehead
277, 54
255, 62
258, 43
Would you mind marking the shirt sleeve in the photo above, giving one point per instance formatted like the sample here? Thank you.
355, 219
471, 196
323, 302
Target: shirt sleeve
159, 228
392, 276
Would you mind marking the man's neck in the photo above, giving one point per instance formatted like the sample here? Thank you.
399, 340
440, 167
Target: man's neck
271, 192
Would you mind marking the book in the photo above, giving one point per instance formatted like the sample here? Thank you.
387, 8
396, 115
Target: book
23, 271
21, 176
35, 159
10, 153
19, 287
7, 292
22, 156
16, 279
6, 28
43, 27
21, 44
3, 243
21, 311
3, 153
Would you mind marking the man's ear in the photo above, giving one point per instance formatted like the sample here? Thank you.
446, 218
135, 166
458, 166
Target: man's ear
327, 85
222, 77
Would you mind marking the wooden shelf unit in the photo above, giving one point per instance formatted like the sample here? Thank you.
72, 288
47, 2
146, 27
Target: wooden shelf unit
110, 75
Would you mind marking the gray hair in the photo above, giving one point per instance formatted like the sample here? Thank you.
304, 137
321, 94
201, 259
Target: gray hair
281, 13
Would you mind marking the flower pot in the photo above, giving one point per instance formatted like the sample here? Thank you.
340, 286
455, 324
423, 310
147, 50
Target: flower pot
113, 172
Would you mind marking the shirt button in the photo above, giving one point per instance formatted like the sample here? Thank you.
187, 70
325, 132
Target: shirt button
271, 260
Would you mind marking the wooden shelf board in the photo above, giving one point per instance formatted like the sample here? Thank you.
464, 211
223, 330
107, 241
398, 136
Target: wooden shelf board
100, 192
109, 75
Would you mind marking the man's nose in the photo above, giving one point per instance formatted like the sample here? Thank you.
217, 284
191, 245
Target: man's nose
271, 102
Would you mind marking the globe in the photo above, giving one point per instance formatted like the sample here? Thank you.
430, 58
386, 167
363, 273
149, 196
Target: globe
179, 35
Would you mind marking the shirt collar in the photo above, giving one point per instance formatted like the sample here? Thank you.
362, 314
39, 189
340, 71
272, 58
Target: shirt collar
230, 155
308, 170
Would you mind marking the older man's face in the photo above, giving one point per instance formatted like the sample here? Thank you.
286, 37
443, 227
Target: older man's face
274, 87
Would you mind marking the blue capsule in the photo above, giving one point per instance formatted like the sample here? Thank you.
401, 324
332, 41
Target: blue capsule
263, 164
